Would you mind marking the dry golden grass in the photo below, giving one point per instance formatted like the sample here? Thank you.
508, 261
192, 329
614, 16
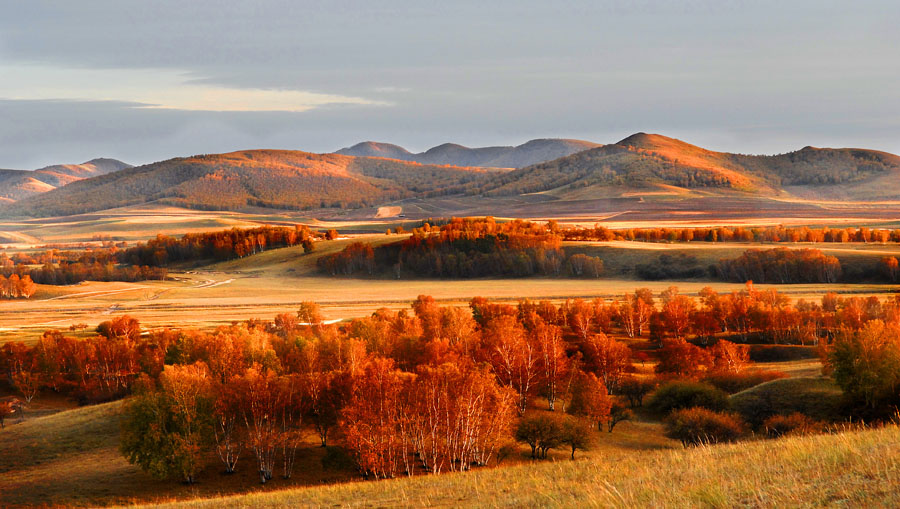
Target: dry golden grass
278, 280
849, 469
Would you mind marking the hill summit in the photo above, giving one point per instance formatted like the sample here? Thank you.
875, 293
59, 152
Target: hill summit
19, 184
531, 152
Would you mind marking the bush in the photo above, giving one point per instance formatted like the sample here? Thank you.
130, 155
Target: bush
795, 423
634, 389
541, 433
736, 382
684, 394
695, 426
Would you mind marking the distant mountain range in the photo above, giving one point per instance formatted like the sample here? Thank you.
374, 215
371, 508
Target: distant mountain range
644, 160
281, 179
532, 152
18, 184
641, 164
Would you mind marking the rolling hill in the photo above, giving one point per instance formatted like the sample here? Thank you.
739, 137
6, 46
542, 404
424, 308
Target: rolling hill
653, 160
18, 184
532, 152
603, 180
255, 178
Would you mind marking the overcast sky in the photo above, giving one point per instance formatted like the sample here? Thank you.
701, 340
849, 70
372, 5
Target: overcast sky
145, 81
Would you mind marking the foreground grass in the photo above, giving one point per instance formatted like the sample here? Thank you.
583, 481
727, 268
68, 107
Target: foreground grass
854, 469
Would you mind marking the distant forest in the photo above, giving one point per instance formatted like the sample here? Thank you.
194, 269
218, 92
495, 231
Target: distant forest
466, 248
145, 261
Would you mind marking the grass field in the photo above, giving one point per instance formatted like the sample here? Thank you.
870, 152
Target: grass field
71, 458
849, 469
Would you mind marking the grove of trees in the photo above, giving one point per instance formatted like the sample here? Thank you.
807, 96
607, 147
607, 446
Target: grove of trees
467, 248
437, 388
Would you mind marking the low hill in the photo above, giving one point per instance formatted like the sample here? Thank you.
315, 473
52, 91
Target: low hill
849, 469
254, 178
19, 184
532, 152
653, 160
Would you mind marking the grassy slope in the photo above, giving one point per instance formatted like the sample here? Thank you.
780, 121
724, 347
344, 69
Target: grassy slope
850, 469
278, 179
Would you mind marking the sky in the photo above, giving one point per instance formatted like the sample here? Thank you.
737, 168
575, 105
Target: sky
147, 81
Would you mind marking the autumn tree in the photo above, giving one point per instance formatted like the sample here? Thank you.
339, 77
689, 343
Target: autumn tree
373, 419
576, 435
513, 356
553, 361
678, 357
607, 358
227, 413
590, 399
261, 408
541, 433
866, 364
165, 431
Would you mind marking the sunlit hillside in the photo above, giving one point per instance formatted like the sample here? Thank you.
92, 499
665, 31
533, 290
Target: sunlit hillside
650, 160
255, 178
851, 469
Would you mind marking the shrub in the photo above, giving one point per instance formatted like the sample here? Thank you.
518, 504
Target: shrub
736, 382
541, 433
795, 423
677, 395
634, 389
695, 426
577, 435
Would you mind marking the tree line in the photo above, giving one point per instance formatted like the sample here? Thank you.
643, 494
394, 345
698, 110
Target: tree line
147, 261
466, 248
736, 234
218, 245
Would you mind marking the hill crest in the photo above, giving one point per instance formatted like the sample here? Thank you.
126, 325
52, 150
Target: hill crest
19, 184
528, 153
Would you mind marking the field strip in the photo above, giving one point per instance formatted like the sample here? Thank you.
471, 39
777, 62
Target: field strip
211, 283
96, 293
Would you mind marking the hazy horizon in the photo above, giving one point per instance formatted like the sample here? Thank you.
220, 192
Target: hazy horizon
145, 82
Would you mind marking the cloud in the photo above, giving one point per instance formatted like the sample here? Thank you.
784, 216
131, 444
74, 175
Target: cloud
158, 89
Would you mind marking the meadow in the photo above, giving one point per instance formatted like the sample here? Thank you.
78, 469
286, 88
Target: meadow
65, 454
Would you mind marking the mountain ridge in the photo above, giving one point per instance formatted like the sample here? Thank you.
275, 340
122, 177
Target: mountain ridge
19, 184
280, 179
528, 153
638, 165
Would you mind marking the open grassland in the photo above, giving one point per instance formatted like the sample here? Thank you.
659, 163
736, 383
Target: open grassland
278, 280
72, 458
849, 469
640, 208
